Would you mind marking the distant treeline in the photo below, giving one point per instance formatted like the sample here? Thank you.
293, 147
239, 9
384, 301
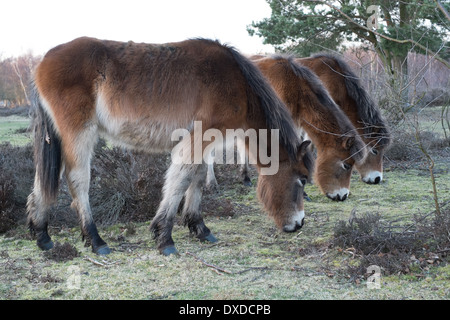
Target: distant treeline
428, 79
427, 82
15, 77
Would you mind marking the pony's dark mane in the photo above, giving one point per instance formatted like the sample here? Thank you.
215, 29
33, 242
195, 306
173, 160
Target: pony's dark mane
318, 88
368, 111
305, 73
316, 85
276, 114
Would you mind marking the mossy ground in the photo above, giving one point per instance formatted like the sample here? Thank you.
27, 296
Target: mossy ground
252, 260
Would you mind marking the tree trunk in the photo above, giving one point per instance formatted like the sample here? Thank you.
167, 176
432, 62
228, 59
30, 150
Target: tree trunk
400, 60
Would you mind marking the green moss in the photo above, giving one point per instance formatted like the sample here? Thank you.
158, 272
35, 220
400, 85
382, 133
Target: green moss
9, 128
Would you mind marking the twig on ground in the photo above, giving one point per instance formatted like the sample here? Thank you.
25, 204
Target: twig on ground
251, 268
102, 264
208, 264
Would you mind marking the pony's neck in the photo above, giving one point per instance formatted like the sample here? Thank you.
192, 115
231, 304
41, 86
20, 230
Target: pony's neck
268, 145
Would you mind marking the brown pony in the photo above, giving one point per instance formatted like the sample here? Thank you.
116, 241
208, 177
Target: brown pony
346, 90
337, 142
137, 95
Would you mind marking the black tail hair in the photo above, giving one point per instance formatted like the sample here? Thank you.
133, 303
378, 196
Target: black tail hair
276, 113
47, 150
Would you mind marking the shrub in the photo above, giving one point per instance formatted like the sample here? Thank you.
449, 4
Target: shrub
126, 186
395, 249
16, 179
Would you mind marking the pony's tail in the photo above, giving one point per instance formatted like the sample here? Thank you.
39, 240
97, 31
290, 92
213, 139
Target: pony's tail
276, 114
47, 151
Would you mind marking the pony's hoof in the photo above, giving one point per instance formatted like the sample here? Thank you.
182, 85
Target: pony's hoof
46, 245
212, 185
167, 251
210, 237
248, 183
306, 197
103, 250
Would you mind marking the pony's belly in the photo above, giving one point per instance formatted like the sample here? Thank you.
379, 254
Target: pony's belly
143, 131
150, 137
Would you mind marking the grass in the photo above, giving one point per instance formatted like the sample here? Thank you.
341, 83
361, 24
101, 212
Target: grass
430, 120
252, 260
12, 129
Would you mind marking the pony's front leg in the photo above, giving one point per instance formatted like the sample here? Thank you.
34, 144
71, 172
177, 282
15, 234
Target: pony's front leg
178, 179
244, 161
245, 171
192, 216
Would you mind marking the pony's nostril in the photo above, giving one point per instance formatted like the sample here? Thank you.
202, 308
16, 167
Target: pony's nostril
295, 223
339, 195
298, 225
373, 177
301, 223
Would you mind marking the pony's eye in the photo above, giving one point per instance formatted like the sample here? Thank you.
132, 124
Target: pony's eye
374, 151
346, 166
303, 181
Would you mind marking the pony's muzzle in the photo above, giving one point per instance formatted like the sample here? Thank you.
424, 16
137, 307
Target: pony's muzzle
339, 195
298, 220
374, 177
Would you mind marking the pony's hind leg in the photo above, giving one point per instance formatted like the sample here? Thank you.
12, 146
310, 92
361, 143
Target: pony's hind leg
47, 158
37, 219
192, 210
178, 179
78, 179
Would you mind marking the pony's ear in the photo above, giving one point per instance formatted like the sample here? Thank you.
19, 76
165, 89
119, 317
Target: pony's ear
303, 148
348, 142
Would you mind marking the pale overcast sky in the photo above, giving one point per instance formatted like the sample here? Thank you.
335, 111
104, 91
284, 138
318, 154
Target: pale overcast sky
39, 25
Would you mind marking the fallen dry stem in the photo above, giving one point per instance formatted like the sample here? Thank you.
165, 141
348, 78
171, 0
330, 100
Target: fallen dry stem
208, 264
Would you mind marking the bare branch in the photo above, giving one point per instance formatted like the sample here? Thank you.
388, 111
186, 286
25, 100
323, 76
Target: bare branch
208, 264
441, 7
384, 36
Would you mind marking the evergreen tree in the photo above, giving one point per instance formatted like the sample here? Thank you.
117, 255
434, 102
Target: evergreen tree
393, 28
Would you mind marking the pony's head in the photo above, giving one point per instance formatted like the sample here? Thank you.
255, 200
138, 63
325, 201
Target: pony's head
371, 169
334, 166
282, 193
